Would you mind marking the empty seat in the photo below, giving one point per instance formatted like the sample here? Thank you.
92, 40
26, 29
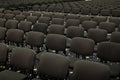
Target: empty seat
84, 18
21, 59
26, 13
16, 12
44, 20
75, 10
87, 70
72, 22
115, 20
72, 17
115, 37
14, 36
109, 26
58, 21
2, 22
98, 35
99, 19
49, 15
56, 29
73, 31
43, 7
51, 8
53, 66
35, 39
20, 17
67, 9
40, 27
105, 12
7, 11
116, 13
95, 11
89, 24
82, 46
2, 33
85, 11
110, 51
32, 19
38, 14
35, 7
11, 24
8, 16
25, 26
59, 16
56, 42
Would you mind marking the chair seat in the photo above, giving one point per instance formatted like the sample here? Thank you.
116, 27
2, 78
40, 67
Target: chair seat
10, 75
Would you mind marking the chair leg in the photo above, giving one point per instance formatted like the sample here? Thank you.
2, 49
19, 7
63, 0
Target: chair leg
38, 49
47, 49
31, 47
64, 53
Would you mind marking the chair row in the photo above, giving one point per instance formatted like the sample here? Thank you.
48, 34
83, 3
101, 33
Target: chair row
10, 13
45, 22
55, 66
77, 7
58, 42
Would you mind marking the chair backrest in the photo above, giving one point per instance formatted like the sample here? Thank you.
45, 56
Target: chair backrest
84, 18
58, 21
20, 17
74, 31
35, 38
44, 20
116, 13
109, 51
82, 46
85, 11
72, 17
115, 20
38, 14
56, 42
53, 65
87, 70
26, 13
22, 58
11, 24
89, 24
58, 16
100, 19
16, 12
115, 37
40, 27
56, 29
14, 35
109, 26
25, 26
98, 35
72, 22
9, 16
32, 19
105, 12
